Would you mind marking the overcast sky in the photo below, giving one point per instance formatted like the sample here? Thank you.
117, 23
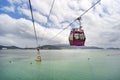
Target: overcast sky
101, 24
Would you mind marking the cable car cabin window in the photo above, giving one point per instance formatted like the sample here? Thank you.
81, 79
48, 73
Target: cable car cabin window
79, 36
76, 36
71, 36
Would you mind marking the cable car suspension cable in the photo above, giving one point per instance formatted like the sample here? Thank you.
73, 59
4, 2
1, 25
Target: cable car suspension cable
36, 38
50, 11
76, 19
89, 8
48, 20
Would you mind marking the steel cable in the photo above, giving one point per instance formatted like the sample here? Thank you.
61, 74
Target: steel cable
36, 38
76, 19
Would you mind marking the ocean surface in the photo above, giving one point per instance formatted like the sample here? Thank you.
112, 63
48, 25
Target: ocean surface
74, 64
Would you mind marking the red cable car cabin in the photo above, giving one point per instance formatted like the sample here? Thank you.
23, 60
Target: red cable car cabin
77, 37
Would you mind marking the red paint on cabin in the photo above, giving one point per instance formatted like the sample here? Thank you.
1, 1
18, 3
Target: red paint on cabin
77, 37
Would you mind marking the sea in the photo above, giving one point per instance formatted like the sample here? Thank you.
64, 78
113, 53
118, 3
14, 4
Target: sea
65, 64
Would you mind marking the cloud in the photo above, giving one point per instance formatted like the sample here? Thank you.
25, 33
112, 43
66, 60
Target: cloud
37, 16
20, 32
8, 9
101, 24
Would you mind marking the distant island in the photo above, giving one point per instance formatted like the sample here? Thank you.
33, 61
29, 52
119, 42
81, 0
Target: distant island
59, 47
67, 47
9, 47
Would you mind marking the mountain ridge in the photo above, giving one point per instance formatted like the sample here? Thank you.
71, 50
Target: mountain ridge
49, 47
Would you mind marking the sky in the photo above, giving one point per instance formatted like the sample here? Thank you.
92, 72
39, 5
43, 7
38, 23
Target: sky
101, 24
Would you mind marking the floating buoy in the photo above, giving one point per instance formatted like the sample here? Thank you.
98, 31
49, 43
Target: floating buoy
38, 58
88, 58
10, 61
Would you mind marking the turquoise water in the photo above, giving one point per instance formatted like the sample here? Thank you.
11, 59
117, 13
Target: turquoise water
60, 65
